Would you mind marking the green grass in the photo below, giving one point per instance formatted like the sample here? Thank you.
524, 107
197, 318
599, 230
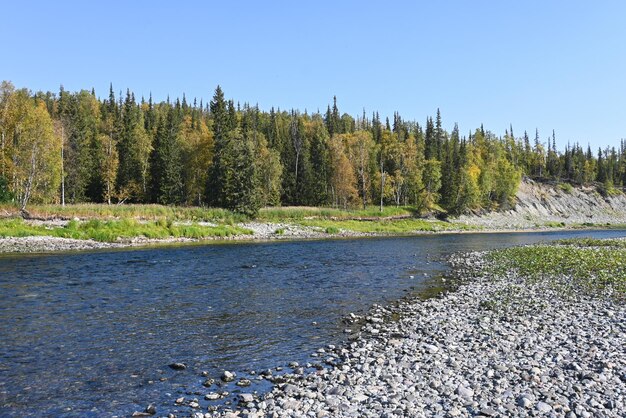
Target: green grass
593, 242
17, 228
368, 220
401, 226
141, 212
183, 213
587, 266
113, 230
278, 214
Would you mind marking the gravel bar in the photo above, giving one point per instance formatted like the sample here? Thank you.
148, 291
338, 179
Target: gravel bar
45, 244
538, 353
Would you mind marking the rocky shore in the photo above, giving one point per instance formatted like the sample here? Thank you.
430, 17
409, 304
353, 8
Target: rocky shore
260, 232
43, 244
496, 346
537, 207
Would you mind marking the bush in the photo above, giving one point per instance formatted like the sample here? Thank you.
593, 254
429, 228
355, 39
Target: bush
566, 187
332, 230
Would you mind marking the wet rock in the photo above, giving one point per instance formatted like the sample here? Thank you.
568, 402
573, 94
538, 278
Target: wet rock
177, 366
246, 397
227, 376
538, 354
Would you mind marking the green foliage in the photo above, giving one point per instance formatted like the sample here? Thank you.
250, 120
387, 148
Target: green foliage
239, 187
432, 182
238, 157
566, 187
138, 212
506, 182
593, 242
404, 226
215, 194
5, 193
166, 161
278, 214
589, 268
112, 231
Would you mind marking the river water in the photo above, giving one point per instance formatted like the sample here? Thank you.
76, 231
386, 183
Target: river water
91, 333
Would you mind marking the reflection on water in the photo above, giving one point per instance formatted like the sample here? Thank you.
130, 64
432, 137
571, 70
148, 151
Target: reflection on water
91, 334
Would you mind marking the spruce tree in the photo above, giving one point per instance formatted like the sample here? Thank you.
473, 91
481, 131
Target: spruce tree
240, 183
221, 127
167, 180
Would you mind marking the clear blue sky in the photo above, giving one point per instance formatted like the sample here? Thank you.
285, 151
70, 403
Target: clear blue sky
547, 64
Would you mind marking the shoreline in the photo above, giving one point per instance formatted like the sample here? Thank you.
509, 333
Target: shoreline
467, 352
262, 232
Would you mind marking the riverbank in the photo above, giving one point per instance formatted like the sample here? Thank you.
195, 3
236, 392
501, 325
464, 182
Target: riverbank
537, 207
530, 331
56, 235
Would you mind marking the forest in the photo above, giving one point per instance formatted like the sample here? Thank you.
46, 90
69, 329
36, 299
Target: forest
75, 147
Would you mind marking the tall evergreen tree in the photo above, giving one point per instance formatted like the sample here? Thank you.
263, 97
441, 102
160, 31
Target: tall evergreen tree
167, 180
221, 127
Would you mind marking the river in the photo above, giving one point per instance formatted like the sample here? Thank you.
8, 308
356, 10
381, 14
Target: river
92, 333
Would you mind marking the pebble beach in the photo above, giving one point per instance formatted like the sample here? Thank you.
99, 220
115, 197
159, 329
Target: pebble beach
466, 354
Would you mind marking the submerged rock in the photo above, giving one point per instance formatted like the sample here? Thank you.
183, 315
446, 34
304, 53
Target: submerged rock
177, 366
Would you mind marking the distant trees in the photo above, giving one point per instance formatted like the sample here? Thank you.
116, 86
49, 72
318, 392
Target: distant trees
120, 149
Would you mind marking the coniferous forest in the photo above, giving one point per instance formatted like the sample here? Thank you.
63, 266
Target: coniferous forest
74, 147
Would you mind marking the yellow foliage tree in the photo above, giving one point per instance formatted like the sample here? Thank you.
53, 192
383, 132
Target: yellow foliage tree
36, 158
343, 178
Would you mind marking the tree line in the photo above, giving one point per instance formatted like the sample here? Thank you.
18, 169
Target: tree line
74, 147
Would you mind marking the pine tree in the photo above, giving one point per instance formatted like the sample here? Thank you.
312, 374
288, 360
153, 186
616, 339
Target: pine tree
80, 115
167, 180
240, 180
320, 161
439, 137
221, 128
430, 151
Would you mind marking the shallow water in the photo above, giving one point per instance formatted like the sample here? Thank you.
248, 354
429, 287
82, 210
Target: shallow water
91, 334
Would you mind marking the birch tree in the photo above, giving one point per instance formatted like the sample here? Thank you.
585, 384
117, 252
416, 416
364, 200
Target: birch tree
37, 162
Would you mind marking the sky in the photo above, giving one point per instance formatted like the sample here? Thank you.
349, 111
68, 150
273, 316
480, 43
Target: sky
531, 64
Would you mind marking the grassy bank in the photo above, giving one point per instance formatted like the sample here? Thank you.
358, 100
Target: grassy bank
183, 213
298, 213
105, 222
586, 266
399, 226
114, 230
111, 222
139, 212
